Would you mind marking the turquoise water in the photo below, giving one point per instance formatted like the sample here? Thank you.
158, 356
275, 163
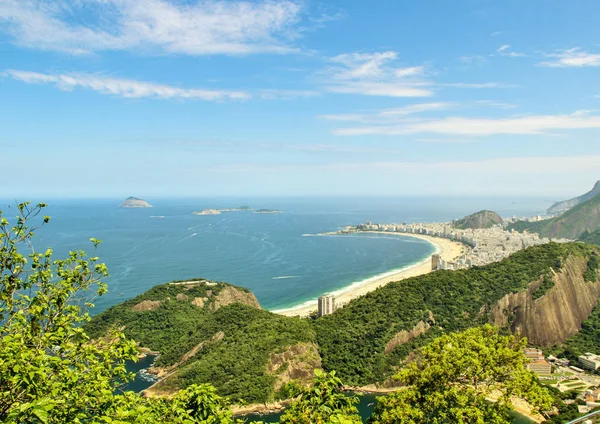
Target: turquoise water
271, 254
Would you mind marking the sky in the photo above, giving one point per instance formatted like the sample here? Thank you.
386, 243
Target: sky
161, 98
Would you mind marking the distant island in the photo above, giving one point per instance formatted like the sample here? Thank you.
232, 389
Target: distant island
134, 202
207, 212
220, 211
267, 211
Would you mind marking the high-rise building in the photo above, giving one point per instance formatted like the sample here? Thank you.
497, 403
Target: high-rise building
326, 304
435, 261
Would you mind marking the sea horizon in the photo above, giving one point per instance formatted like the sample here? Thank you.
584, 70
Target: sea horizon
268, 254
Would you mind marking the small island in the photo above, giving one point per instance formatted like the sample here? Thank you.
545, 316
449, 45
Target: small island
207, 212
267, 211
134, 202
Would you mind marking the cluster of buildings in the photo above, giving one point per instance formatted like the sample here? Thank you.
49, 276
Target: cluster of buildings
483, 246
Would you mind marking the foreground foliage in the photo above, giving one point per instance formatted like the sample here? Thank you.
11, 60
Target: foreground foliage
453, 378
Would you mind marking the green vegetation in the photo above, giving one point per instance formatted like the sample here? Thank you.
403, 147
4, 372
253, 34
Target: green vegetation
232, 345
237, 364
586, 340
573, 224
452, 378
457, 299
481, 219
323, 403
547, 284
590, 237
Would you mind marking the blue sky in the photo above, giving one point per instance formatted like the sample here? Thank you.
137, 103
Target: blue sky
202, 98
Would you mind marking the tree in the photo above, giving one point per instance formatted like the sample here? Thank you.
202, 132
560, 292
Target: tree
50, 370
453, 379
323, 402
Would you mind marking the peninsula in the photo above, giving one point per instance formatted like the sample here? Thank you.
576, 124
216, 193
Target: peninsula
134, 202
267, 211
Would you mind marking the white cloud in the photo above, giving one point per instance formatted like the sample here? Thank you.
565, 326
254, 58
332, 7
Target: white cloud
389, 114
504, 50
575, 57
529, 125
199, 28
372, 74
124, 87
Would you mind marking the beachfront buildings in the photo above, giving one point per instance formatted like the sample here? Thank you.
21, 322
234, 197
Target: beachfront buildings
482, 246
326, 305
589, 361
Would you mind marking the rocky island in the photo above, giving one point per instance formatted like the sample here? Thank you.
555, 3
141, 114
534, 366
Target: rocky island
134, 202
207, 212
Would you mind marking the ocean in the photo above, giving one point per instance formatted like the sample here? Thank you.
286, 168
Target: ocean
277, 256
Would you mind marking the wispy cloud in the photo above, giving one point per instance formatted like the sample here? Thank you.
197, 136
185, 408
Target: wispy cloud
389, 114
575, 57
540, 124
124, 87
520, 165
373, 74
198, 28
504, 50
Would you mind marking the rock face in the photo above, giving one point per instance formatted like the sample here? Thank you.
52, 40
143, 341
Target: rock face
561, 207
298, 362
229, 295
555, 316
406, 336
481, 219
134, 202
146, 305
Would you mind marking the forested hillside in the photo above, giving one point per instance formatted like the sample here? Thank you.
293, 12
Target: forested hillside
354, 340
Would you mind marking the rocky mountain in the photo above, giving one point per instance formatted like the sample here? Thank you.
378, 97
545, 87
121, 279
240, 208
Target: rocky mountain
573, 224
134, 202
481, 219
565, 205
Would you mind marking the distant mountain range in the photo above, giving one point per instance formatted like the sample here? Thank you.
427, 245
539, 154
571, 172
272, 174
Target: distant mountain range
481, 219
577, 222
565, 205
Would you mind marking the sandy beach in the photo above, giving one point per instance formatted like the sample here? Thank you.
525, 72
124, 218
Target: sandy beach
448, 250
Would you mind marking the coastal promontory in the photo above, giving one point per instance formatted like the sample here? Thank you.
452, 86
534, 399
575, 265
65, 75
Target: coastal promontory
134, 202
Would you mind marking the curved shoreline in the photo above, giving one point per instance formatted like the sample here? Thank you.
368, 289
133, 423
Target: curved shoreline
447, 249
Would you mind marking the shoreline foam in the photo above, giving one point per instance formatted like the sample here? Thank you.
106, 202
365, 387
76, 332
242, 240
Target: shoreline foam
447, 249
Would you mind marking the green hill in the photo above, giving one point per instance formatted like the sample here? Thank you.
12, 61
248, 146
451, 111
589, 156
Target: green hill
562, 207
212, 332
571, 224
358, 340
481, 219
